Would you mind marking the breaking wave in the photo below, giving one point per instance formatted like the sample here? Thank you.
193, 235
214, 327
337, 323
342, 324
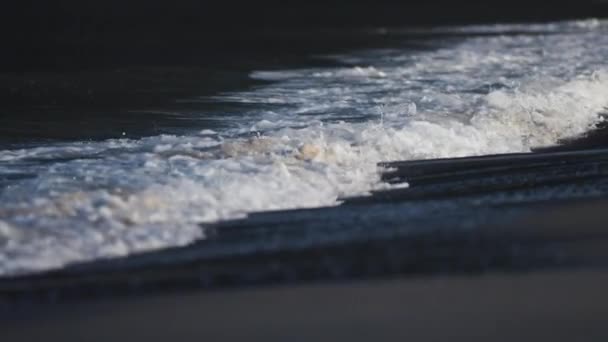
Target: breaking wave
317, 139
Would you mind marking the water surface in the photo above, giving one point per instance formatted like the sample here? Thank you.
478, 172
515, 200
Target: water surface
299, 137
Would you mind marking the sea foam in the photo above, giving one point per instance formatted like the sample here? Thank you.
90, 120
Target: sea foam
319, 142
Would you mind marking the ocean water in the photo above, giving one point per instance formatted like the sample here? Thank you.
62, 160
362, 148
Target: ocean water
305, 137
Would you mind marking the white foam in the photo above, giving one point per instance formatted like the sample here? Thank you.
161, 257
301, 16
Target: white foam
322, 142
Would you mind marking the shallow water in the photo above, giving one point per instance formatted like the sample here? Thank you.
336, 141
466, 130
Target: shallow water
305, 137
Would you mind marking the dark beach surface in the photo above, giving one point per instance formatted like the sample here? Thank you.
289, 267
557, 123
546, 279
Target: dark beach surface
498, 247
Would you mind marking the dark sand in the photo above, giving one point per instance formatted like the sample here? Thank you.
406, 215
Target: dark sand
542, 306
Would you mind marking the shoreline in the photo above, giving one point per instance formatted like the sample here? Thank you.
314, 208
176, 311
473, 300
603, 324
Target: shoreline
478, 248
